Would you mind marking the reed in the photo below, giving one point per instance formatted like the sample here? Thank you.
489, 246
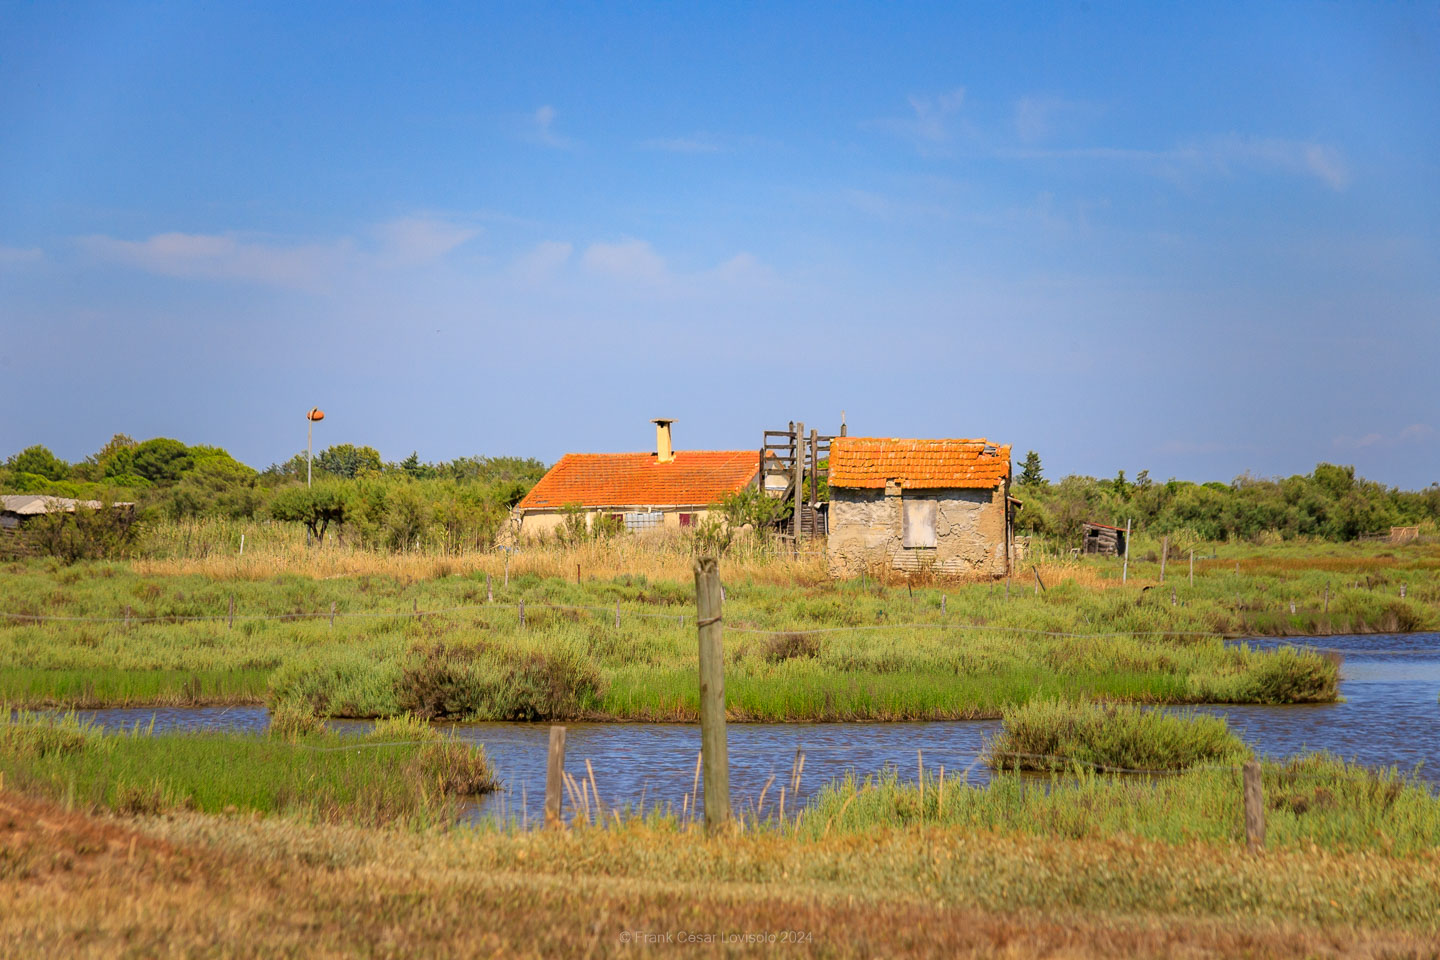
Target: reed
401, 773
1058, 735
1314, 801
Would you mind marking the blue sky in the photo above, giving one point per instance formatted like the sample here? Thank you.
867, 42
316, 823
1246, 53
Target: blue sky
1195, 239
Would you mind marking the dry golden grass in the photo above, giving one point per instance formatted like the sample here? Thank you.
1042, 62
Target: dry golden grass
78, 886
660, 557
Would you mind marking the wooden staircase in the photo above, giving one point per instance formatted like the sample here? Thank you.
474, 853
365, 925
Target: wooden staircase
790, 457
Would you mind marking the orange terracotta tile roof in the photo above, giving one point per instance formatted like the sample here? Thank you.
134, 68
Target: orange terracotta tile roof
695, 478
917, 464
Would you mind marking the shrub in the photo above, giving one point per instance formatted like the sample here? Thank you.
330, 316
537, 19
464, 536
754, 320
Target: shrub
1289, 675
291, 721
350, 684
482, 682
791, 646
1051, 735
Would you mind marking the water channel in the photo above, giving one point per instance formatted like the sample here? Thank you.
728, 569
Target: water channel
1388, 716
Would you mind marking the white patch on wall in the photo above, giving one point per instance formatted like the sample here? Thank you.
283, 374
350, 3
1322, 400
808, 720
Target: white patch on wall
636, 522
918, 523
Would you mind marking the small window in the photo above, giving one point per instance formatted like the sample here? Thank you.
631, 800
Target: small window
918, 523
687, 519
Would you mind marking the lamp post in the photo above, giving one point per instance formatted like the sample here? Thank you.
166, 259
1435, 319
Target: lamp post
314, 415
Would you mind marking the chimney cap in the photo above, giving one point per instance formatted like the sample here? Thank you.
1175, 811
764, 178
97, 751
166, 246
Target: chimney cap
663, 421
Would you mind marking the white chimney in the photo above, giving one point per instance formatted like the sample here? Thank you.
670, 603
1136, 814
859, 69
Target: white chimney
664, 449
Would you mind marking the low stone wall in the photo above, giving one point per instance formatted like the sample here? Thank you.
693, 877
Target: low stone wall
866, 532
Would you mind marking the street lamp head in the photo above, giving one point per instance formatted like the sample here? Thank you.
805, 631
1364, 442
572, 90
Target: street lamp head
315, 414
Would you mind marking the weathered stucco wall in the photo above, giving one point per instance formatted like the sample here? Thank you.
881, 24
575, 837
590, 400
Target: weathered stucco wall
535, 524
866, 532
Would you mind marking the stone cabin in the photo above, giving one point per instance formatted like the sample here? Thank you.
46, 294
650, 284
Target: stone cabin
913, 505
666, 489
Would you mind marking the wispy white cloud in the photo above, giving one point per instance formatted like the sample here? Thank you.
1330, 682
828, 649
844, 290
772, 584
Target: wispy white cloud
1216, 156
696, 143
413, 240
225, 257
744, 271
929, 124
19, 256
1415, 434
542, 262
404, 243
631, 260
1038, 118
541, 130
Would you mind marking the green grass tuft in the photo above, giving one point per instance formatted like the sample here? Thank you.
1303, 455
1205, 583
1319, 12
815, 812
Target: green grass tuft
1056, 735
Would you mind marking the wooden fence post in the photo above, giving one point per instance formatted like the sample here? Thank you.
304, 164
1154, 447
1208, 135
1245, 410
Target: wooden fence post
555, 779
1192, 568
1164, 549
489, 593
1254, 807
799, 487
230, 620
1039, 584
713, 747
942, 604
332, 614
522, 613
1327, 596
127, 616
617, 614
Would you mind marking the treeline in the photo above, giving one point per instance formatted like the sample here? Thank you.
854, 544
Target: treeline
461, 504
356, 495
1330, 503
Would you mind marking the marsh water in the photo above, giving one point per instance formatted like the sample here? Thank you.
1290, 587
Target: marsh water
1388, 717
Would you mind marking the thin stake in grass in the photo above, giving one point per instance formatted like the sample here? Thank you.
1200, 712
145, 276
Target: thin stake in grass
920, 767
695, 787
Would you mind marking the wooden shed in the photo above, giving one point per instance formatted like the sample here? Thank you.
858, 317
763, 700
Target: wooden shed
1103, 539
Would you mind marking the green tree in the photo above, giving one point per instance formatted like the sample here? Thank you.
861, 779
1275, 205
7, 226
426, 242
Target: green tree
348, 461
39, 461
1031, 474
162, 460
317, 507
407, 517
117, 457
1334, 481
752, 507
417, 470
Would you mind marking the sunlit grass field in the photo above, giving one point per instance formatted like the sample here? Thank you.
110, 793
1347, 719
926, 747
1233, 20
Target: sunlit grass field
795, 649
